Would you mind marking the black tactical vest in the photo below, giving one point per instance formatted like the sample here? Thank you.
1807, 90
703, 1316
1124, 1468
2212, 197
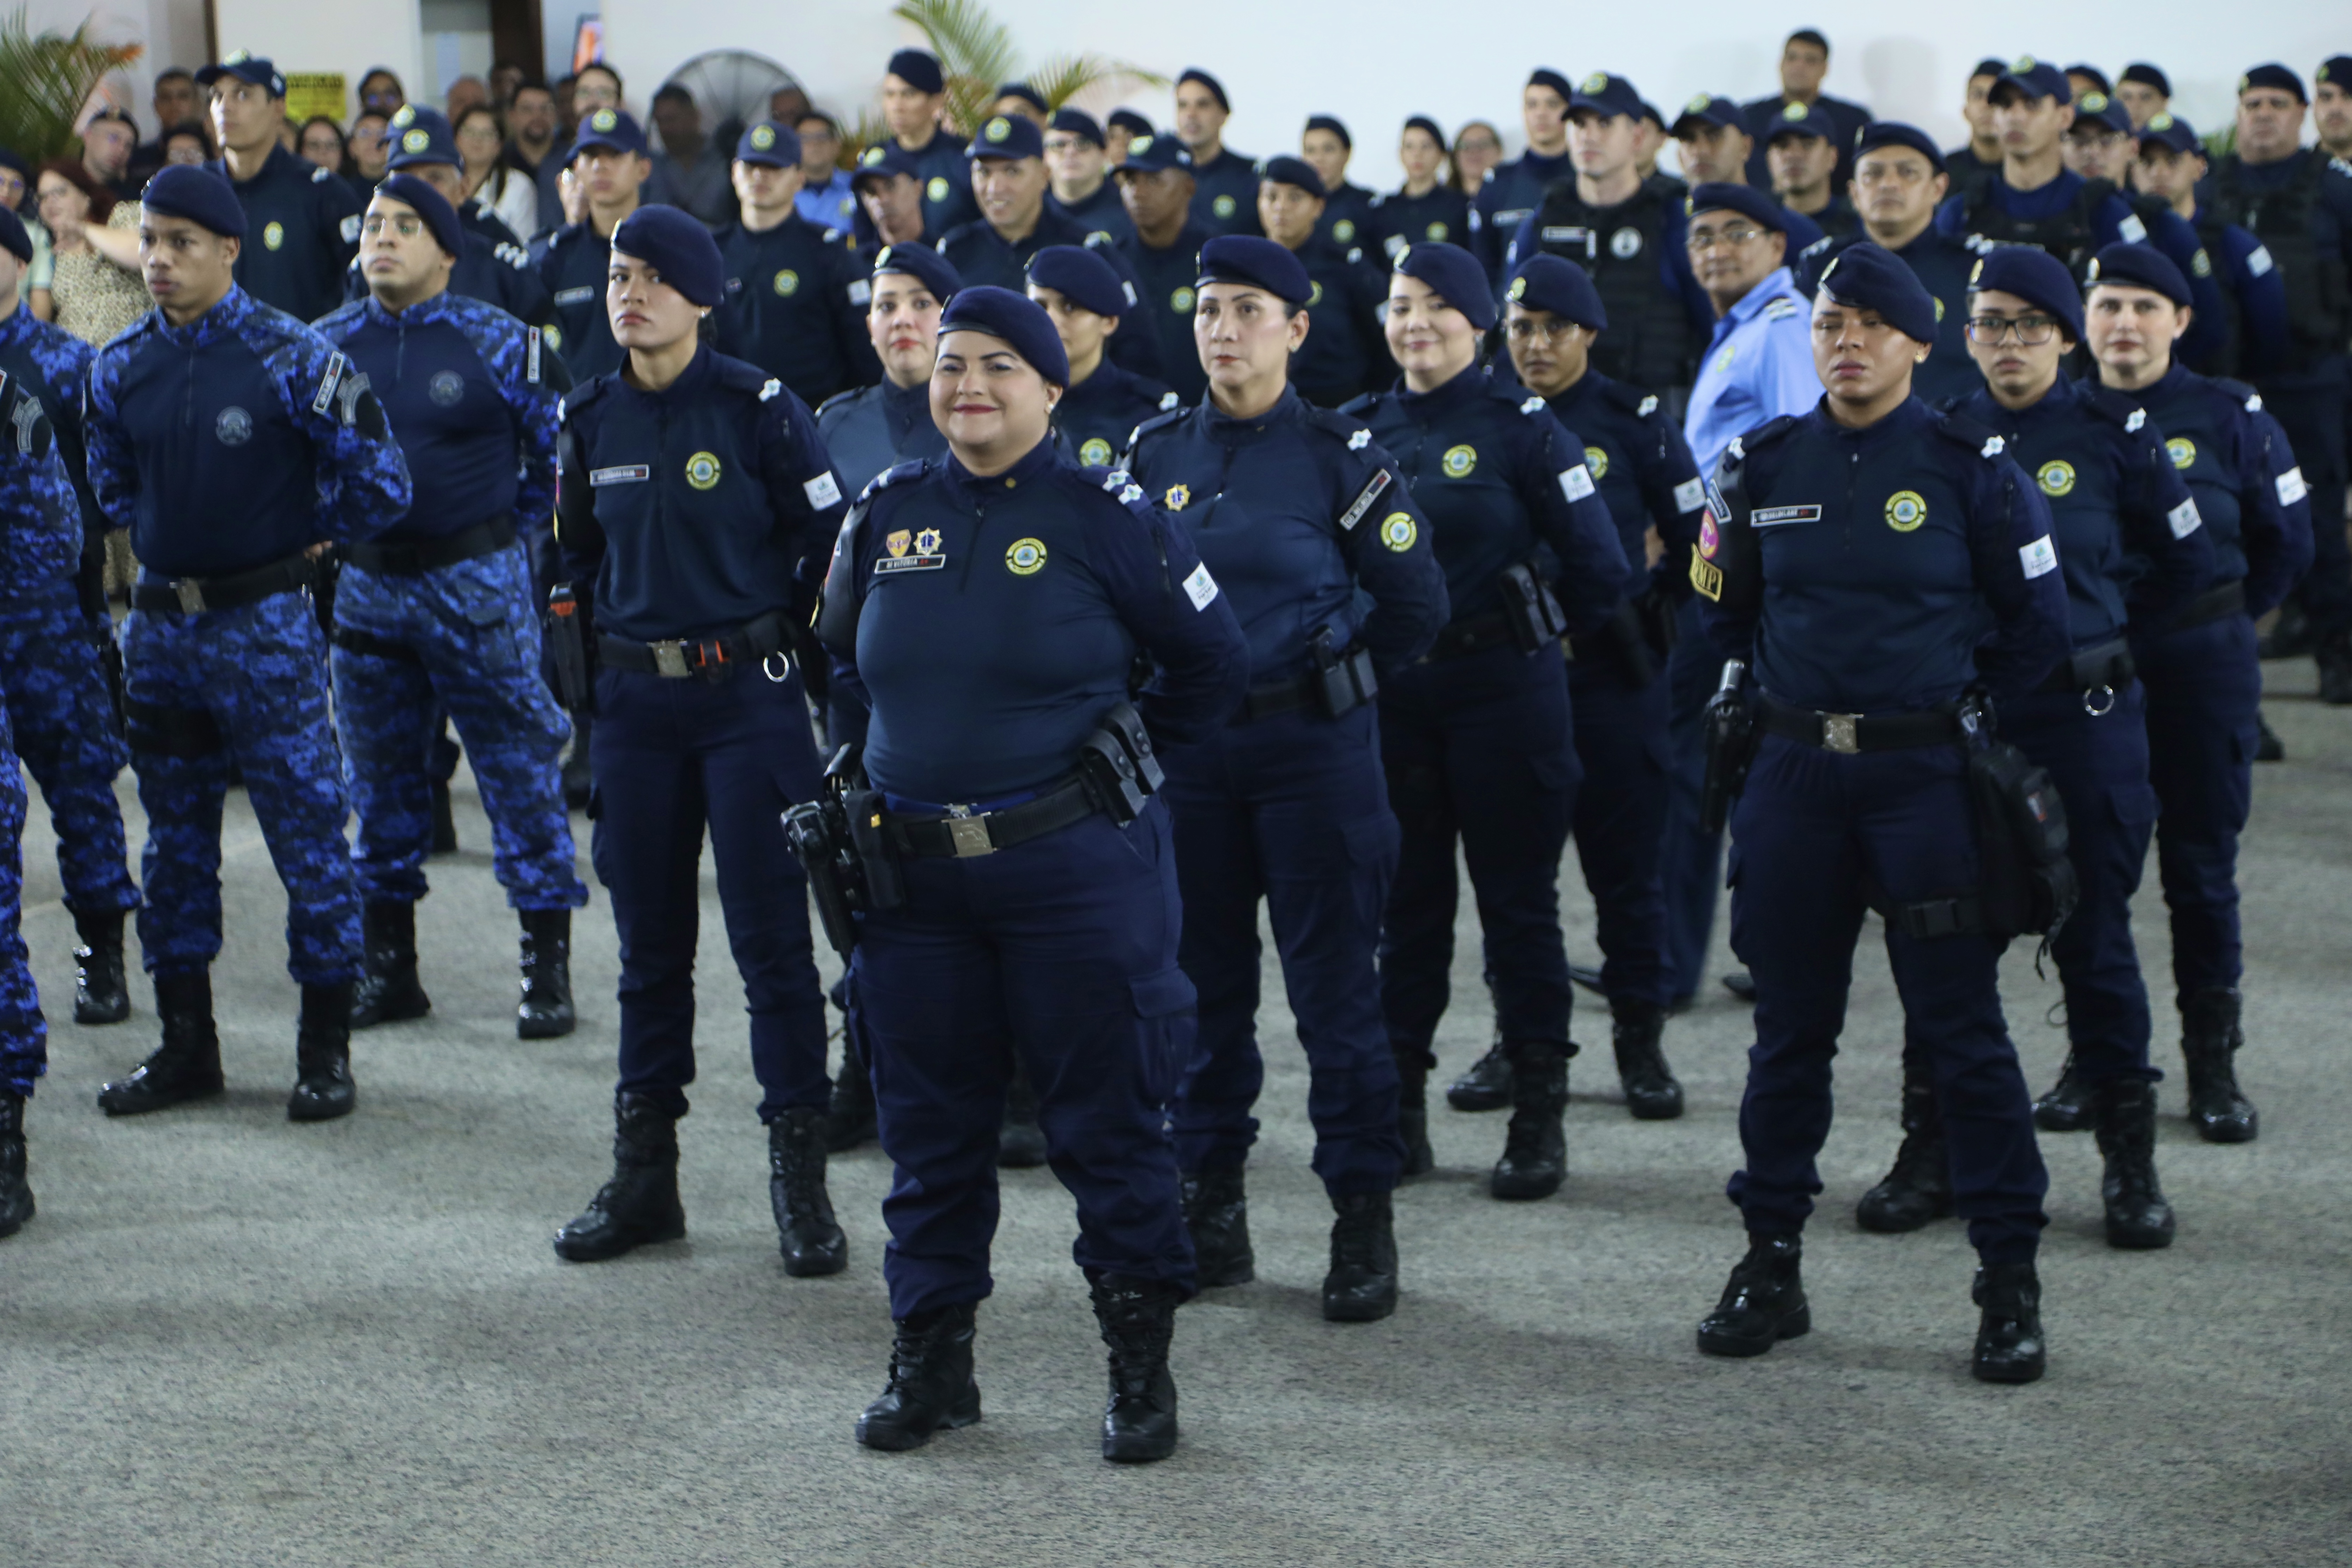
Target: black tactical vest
2318, 302
1649, 341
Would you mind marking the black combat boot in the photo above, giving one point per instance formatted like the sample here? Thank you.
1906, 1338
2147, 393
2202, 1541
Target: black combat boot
1535, 1149
851, 1118
16, 1196
1919, 1187
639, 1205
187, 1065
445, 819
1019, 1143
545, 1012
1486, 1085
2068, 1107
1216, 1213
932, 1388
322, 1056
102, 995
806, 1232
1651, 1092
1412, 1114
390, 991
2209, 1040
1362, 1287
2009, 1337
1138, 1319
1764, 1302
2334, 657
2268, 747
2138, 1216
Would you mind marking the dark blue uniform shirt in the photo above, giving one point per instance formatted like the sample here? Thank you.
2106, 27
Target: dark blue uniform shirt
2249, 489
496, 271
1441, 214
795, 307
576, 266
1636, 455
1347, 220
1224, 194
981, 254
1764, 115
1510, 196
1272, 504
1099, 416
1102, 213
945, 174
302, 230
874, 429
1346, 354
1166, 278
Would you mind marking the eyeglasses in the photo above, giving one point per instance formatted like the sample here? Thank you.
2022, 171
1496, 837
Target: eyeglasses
1525, 330
1702, 241
2031, 330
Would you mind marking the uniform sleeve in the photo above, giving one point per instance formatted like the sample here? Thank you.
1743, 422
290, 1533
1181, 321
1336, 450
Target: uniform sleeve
2161, 526
2260, 289
106, 452
2017, 571
1727, 569
803, 492
1171, 605
1135, 351
520, 293
1386, 543
34, 480
1952, 218
579, 537
1524, 243
362, 477
338, 208
1568, 514
852, 292
2275, 523
2209, 329
1675, 497
1675, 270
66, 419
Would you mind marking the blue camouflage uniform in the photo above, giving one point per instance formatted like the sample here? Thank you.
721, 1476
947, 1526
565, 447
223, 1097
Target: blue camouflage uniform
438, 612
1286, 803
1097, 416
228, 448
44, 529
494, 269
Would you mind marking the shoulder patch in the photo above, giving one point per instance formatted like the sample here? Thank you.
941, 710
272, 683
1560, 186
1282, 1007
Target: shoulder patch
1966, 432
1764, 435
1532, 405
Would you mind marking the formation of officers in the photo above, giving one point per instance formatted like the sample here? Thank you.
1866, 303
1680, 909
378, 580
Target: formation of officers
1153, 538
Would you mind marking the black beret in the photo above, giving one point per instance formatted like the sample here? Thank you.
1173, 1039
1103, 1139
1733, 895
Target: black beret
918, 71
1285, 170
1424, 122
2148, 76
1026, 94
1079, 123
420, 135
1007, 138
1128, 120
1018, 320
194, 192
1895, 133
1544, 76
430, 204
676, 244
935, 271
1554, 283
1260, 263
1867, 276
13, 238
1718, 195
1081, 277
1216, 89
769, 145
2275, 75
2034, 276
1330, 123
2335, 70
1455, 276
2139, 267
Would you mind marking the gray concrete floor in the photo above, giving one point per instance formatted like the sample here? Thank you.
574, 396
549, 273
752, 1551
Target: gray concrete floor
230, 1339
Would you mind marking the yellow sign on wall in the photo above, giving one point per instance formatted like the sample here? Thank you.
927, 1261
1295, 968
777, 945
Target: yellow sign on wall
316, 92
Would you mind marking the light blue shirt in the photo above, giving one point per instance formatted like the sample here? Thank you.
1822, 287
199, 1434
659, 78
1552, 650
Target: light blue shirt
1759, 365
828, 206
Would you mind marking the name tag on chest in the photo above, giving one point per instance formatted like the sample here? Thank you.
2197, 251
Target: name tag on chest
566, 297
1773, 516
890, 565
627, 474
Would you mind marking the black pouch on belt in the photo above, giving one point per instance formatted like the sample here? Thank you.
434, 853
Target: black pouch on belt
819, 838
1535, 615
1345, 681
884, 888
2026, 886
1118, 764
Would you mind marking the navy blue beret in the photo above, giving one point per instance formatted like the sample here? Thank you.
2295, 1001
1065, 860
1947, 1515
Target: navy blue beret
2335, 70
935, 271
1868, 276
883, 160
2170, 131
1601, 93
13, 238
1285, 170
1129, 122
1149, 154
2148, 76
1802, 120
1717, 195
1026, 94
1216, 89
918, 71
2034, 276
194, 192
1079, 123
771, 146
1454, 275
1895, 133
419, 136
432, 206
1554, 283
2099, 82
676, 244
1260, 263
611, 128
1425, 123
2139, 267
1719, 113
1017, 319
1544, 76
1335, 126
1081, 277
2034, 78
2275, 75
1007, 138
2098, 109
245, 68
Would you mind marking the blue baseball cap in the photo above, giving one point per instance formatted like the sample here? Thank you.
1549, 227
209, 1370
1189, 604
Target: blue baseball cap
883, 159
2139, 267
610, 127
1125, 123
1149, 154
1026, 94
2170, 131
2034, 276
245, 68
1895, 133
430, 204
1718, 195
920, 262
769, 145
2148, 76
2335, 70
1016, 319
918, 71
1868, 276
1544, 76
2034, 78
1601, 93
676, 244
1701, 111
1081, 277
1454, 275
1007, 138
1802, 119
421, 136
2096, 109
1260, 263
1285, 170
1079, 123
1554, 283
2099, 82
194, 192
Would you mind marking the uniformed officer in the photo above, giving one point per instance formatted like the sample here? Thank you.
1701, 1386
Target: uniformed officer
888, 186
796, 296
1035, 925
693, 490
2088, 80
2144, 93
492, 266
1645, 153
305, 222
1805, 155
2331, 105
1099, 412
1157, 186
1225, 194
2171, 168
608, 160
1804, 63
51, 632
438, 613
1426, 207
1023, 102
1617, 698
1346, 209
1629, 236
1121, 126
1871, 560
875, 429
914, 102
1975, 164
1343, 355
234, 442
1309, 530
2101, 144
2199, 667
1514, 190
1078, 164
2130, 547
1475, 737
1711, 137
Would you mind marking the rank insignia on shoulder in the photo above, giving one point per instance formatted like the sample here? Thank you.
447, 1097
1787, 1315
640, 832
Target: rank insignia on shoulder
770, 389
1170, 400
1649, 406
2138, 417
1131, 494
1779, 309
1360, 440
1993, 447
2254, 402
1735, 452
1531, 406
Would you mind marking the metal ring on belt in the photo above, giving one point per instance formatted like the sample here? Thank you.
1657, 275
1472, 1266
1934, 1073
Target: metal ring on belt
196, 596
962, 837
1851, 734
406, 559
712, 657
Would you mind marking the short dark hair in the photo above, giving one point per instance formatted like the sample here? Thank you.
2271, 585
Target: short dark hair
174, 73
601, 66
670, 92
831, 124
1807, 35
532, 84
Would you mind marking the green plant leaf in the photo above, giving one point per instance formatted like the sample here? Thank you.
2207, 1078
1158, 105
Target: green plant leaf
50, 76
976, 53
1061, 77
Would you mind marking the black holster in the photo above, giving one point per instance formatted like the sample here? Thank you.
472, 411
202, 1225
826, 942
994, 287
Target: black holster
2027, 886
839, 840
1730, 747
1344, 680
1534, 616
567, 649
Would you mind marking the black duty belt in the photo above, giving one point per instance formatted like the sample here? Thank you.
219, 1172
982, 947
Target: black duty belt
2213, 604
1473, 633
955, 837
1848, 734
2109, 665
1278, 697
195, 595
713, 659
406, 560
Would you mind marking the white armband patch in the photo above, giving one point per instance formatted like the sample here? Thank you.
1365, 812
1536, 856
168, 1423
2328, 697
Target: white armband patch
2184, 520
2133, 231
349, 228
862, 291
2039, 557
1690, 495
2291, 487
822, 491
1576, 483
1201, 588
2258, 261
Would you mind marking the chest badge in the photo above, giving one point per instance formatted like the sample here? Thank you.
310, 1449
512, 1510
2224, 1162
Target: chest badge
1094, 454
1625, 244
1026, 558
1181, 301
936, 192
1224, 206
2056, 478
1436, 232
1905, 510
2181, 451
702, 470
1314, 295
273, 234
1598, 461
234, 427
1178, 497
447, 388
788, 282
1398, 532
1458, 461
926, 554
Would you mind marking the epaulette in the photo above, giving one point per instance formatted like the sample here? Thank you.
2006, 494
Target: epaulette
582, 395
1355, 408
736, 375
1764, 435
840, 397
321, 174
1156, 421
513, 255
339, 316
1643, 404
888, 477
2239, 392
1341, 424
1781, 308
1122, 489
1963, 431
1169, 401
1533, 404
2115, 407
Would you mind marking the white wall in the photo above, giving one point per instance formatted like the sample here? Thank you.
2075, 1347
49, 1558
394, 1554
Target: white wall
172, 32
302, 36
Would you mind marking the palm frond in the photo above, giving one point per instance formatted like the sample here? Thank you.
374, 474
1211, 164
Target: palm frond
871, 129
1061, 77
975, 52
50, 77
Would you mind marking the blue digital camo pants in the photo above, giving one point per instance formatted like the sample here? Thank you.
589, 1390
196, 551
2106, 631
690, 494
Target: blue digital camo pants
67, 734
247, 684
474, 640
23, 1037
